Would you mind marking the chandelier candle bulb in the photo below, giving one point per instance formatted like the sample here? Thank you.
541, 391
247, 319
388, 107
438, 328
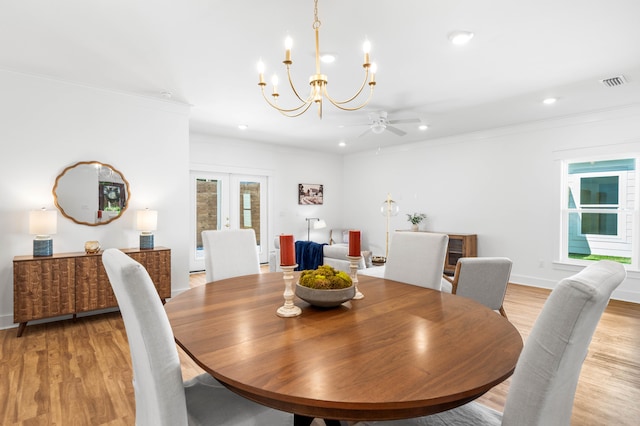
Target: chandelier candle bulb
366, 47
261, 73
288, 43
354, 243
287, 250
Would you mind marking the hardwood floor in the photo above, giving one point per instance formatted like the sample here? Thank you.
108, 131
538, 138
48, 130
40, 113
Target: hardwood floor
79, 373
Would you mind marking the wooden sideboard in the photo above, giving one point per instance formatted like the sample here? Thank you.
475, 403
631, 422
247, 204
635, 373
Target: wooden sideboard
460, 245
71, 283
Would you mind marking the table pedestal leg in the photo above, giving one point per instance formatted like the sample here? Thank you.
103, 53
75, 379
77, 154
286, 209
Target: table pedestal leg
300, 420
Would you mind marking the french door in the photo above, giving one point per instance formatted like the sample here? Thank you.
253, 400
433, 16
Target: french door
227, 201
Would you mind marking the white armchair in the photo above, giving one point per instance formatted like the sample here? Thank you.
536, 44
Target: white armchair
483, 279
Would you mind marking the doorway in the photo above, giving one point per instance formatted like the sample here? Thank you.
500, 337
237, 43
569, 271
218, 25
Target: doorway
227, 201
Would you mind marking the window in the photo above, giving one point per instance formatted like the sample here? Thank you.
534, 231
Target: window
599, 211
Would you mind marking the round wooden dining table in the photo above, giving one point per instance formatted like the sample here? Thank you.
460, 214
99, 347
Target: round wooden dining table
402, 351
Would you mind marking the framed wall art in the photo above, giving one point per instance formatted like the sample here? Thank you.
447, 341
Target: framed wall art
310, 193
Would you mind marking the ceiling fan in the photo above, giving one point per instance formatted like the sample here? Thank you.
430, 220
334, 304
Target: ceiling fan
378, 123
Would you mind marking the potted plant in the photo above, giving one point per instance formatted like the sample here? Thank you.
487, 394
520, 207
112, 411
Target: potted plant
415, 220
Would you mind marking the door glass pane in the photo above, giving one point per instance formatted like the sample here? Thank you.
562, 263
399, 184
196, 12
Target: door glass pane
250, 207
208, 199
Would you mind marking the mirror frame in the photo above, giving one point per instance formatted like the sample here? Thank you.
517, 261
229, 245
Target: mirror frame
81, 163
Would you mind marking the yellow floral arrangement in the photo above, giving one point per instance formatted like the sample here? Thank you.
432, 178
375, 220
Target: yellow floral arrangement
325, 278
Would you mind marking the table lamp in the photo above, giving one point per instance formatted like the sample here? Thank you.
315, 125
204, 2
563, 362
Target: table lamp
318, 224
146, 223
43, 223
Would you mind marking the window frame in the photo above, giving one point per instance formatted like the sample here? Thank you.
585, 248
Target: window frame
627, 208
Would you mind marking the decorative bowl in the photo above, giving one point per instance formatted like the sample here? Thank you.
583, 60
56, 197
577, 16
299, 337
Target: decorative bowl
325, 298
92, 247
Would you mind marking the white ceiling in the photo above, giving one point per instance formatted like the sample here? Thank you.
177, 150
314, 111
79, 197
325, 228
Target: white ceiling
205, 54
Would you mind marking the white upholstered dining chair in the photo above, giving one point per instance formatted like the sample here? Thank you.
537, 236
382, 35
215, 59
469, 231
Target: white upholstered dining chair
230, 253
162, 399
483, 279
416, 258
546, 376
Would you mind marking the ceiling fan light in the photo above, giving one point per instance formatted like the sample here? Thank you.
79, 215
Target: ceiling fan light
378, 128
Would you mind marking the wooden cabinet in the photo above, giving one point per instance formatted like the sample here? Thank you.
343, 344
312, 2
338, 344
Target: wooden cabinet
460, 245
70, 283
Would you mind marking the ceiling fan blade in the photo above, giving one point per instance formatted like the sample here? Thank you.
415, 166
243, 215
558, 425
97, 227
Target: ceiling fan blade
355, 124
405, 120
396, 131
365, 132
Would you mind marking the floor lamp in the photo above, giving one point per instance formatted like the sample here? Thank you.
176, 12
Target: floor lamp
318, 224
388, 208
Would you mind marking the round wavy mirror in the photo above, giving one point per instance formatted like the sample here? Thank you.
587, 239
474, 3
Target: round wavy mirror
91, 193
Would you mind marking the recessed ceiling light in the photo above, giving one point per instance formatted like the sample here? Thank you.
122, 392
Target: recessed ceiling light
167, 95
328, 58
243, 126
423, 127
342, 144
549, 101
460, 37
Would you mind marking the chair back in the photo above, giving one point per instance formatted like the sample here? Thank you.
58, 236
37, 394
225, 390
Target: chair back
544, 382
417, 258
230, 253
483, 279
157, 377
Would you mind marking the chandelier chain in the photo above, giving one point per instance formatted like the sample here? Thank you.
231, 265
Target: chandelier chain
316, 21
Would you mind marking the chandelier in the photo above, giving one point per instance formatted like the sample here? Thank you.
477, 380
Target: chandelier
317, 81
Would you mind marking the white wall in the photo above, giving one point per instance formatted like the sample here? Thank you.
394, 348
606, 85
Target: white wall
47, 125
285, 168
503, 185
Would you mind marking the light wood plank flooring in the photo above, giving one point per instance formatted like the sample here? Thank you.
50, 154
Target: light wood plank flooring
79, 373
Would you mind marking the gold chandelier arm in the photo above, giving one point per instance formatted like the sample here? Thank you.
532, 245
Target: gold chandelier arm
297, 114
293, 87
364, 82
285, 111
340, 104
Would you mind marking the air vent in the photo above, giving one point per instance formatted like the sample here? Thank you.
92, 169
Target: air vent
614, 81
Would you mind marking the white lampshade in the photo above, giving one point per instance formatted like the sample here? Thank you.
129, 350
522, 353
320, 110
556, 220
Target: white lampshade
147, 220
319, 224
43, 222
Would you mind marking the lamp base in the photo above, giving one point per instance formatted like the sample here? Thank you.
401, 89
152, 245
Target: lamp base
42, 247
146, 241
